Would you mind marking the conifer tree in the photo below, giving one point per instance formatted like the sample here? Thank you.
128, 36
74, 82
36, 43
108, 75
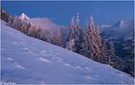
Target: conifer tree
94, 42
112, 53
38, 32
85, 49
70, 45
59, 38
11, 20
4, 15
105, 52
75, 35
70, 42
78, 35
71, 30
53, 38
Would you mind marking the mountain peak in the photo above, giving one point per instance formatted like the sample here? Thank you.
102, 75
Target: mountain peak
23, 16
122, 23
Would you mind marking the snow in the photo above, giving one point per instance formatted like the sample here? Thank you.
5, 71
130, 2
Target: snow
44, 60
105, 26
121, 29
7, 83
26, 60
123, 23
23, 16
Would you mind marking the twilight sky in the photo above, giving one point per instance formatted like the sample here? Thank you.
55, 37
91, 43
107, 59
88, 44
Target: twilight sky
61, 12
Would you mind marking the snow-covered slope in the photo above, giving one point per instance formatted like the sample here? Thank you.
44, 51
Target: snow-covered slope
29, 60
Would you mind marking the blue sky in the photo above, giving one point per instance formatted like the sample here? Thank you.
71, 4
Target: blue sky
61, 12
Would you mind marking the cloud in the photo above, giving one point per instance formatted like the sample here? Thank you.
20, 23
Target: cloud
45, 23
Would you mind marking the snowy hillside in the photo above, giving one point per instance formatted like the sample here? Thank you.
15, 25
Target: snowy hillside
29, 60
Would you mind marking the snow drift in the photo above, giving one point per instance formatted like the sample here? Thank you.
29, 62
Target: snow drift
28, 60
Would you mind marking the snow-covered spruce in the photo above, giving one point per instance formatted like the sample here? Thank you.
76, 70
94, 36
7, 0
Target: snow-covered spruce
75, 36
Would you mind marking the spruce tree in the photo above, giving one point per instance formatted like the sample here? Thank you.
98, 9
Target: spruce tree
94, 42
4, 15
70, 42
70, 45
85, 49
78, 35
105, 52
112, 52
59, 38
75, 36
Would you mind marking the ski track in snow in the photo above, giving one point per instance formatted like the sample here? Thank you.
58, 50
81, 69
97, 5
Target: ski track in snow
29, 60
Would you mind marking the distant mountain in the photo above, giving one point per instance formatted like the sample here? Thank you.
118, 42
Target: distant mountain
122, 29
121, 34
